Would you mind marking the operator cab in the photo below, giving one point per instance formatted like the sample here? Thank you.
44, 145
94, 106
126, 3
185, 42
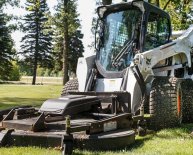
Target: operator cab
126, 29
123, 30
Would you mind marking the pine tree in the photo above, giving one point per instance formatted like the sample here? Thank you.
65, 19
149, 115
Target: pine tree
76, 49
6, 48
10, 2
95, 18
7, 51
68, 45
37, 43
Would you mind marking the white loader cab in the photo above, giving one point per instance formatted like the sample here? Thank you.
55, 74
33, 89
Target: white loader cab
135, 54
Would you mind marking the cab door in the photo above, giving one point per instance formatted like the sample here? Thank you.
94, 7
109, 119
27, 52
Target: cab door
157, 31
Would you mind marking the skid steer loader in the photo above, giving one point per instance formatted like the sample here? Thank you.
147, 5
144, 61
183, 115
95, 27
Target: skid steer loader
136, 69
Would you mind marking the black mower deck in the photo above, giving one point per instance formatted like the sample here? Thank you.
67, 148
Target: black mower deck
111, 140
91, 128
99, 132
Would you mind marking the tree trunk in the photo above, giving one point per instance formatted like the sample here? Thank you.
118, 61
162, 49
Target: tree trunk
65, 45
34, 70
166, 4
36, 50
157, 3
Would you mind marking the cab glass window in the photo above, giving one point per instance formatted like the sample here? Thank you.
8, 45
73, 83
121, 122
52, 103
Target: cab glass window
157, 31
120, 28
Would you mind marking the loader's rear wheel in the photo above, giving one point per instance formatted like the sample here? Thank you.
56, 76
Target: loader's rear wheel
71, 85
187, 95
166, 102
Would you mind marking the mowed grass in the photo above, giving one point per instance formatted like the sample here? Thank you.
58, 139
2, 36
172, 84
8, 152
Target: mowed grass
17, 95
28, 151
177, 141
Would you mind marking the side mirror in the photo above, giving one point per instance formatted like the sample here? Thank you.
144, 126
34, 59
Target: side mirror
99, 34
107, 2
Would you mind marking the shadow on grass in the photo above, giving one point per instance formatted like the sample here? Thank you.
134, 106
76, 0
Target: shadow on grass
182, 132
178, 132
12, 82
9, 102
139, 142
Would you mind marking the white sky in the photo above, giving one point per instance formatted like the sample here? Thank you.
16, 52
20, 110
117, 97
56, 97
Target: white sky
85, 9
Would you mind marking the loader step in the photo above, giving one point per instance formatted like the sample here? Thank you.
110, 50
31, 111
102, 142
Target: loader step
31, 124
25, 124
4, 137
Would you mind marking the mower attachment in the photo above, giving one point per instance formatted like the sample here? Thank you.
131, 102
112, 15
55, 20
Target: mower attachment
4, 136
72, 121
69, 104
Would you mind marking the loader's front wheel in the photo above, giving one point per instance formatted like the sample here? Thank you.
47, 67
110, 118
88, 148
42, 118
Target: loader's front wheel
187, 93
71, 85
166, 102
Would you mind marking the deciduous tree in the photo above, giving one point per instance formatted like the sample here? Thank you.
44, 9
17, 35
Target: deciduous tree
181, 12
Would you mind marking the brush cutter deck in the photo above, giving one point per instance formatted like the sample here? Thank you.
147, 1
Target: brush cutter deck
77, 121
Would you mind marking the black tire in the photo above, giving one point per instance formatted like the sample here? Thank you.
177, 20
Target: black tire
71, 85
165, 103
187, 91
111, 140
67, 148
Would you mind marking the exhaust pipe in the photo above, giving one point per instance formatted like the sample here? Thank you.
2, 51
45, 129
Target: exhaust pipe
107, 2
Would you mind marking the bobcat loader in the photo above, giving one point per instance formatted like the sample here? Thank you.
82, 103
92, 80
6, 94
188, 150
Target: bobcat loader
137, 69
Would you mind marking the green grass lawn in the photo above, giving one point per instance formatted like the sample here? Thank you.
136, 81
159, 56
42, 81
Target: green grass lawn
16, 95
176, 141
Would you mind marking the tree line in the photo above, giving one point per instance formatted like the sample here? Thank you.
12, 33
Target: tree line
52, 43
181, 12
